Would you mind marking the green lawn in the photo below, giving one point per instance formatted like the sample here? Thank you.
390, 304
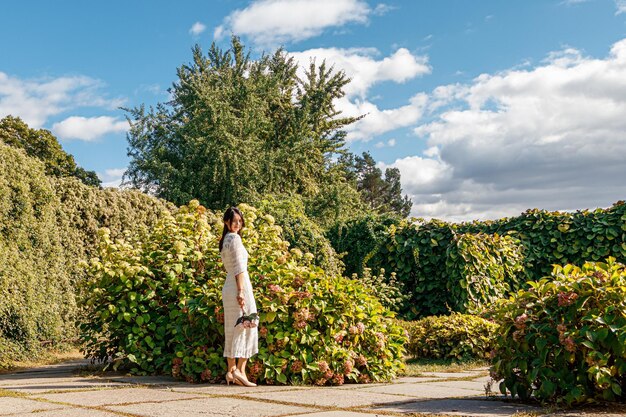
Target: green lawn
416, 367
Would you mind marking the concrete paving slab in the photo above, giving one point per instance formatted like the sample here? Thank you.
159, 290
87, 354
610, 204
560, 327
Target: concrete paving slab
338, 414
328, 397
38, 380
462, 374
74, 384
13, 405
413, 379
223, 389
69, 412
466, 385
403, 380
348, 387
146, 380
423, 391
479, 408
118, 396
211, 407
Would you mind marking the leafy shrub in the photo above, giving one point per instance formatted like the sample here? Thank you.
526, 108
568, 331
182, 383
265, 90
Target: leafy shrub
155, 302
563, 339
36, 297
481, 269
301, 232
457, 336
388, 290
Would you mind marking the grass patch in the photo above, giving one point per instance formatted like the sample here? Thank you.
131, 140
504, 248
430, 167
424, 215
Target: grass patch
7, 393
417, 367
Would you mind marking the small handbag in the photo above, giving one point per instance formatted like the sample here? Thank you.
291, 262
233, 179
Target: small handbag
247, 321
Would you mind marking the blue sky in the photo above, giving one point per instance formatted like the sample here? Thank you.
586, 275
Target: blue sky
486, 107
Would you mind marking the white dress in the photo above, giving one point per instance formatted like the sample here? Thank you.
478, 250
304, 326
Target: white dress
239, 342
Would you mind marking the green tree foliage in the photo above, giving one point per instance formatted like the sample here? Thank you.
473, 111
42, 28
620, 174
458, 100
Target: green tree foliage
155, 303
42, 144
36, 297
563, 339
382, 194
237, 129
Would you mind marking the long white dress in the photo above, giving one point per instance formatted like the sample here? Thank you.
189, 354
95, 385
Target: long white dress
239, 342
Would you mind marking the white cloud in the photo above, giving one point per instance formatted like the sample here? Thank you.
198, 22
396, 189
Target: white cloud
36, 100
382, 9
390, 143
550, 137
88, 128
361, 65
272, 22
197, 28
620, 5
150, 88
112, 177
377, 121
365, 70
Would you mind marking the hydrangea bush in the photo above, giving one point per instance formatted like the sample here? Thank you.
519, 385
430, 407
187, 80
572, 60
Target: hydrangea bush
564, 339
155, 303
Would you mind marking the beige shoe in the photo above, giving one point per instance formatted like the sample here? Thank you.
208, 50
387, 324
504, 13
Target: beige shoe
230, 378
241, 378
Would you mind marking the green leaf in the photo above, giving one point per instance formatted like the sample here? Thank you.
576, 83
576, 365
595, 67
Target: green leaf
270, 316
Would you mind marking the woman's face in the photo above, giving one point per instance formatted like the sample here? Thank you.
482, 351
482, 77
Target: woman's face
235, 224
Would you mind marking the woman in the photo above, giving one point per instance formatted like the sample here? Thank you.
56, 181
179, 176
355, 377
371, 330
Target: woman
240, 341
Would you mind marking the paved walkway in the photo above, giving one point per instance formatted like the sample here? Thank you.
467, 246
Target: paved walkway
56, 390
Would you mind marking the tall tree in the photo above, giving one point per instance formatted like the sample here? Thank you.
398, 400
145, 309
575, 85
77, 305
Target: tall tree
237, 129
382, 194
42, 144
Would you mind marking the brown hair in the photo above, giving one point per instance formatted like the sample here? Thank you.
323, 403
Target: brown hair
229, 215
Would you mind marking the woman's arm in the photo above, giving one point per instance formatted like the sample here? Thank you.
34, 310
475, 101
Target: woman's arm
239, 282
237, 253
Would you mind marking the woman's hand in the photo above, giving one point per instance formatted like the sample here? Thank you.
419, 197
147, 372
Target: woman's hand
240, 299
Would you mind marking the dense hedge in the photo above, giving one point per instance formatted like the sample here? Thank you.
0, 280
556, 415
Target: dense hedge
357, 238
457, 336
417, 250
36, 298
82, 210
47, 225
155, 302
563, 340
481, 269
